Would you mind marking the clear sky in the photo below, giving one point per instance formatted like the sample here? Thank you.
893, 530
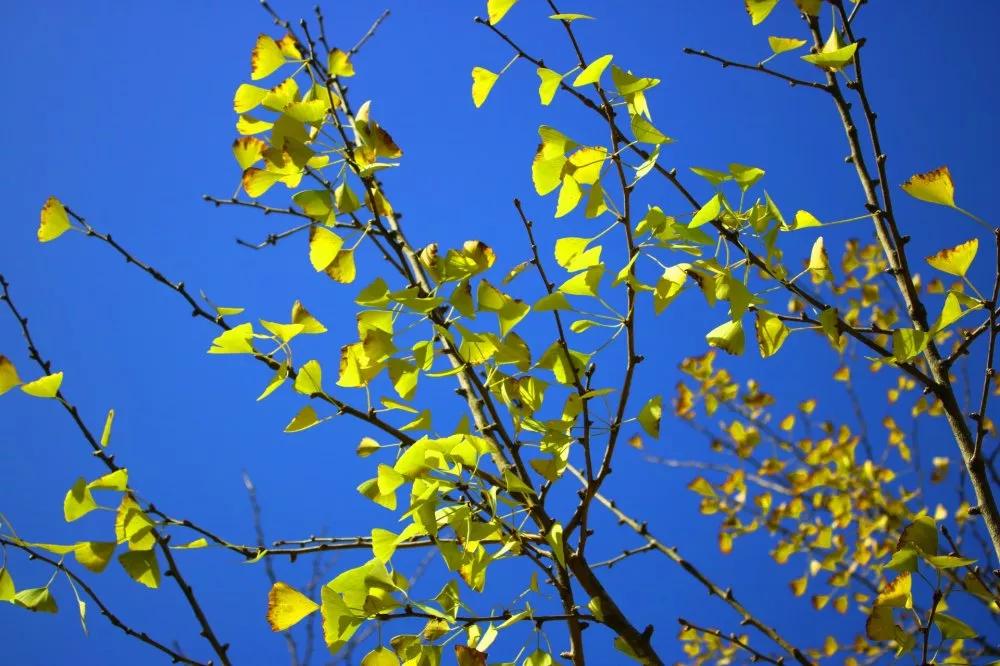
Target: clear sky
123, 110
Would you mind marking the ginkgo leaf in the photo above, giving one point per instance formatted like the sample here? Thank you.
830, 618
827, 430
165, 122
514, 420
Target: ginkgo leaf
381, 656
573, 254
8, 375
727, 337
955, 260
248, 97
482, 83
933, 187
78, 501
265, 58
306, 418
338, 64
94, 555
54, 220
805, 219
548, 85
819, 262
834, 55
345, 199
310, 325
784, 44
771, 333
497, 9
142, 567
258, 181
236, 340
342, 269
44, 387
248, 151
324, 245
569, 196
7, 588
569, 18
646, 132
707, 213
592, 73
759, 9
286, 606
649, 416
37, 599
745, 176
953, 628
310, 378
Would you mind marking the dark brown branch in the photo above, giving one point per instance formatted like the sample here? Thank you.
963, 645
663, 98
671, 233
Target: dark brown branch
175, 656
732, 638
759, 67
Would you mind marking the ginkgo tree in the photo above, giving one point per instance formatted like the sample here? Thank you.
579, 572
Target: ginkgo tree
542, 354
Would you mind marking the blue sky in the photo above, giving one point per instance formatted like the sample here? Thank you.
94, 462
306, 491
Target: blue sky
123, 110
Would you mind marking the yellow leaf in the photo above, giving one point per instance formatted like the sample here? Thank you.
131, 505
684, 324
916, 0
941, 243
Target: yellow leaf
310, 378
44, 387
54, 220
94, 555
819, 262
592, 73
248, 97
8, 375
771, 333
265, 58
708, 212
142, 566
759, 9
805, 219
284, 332
482, 83
248, 151
497, 9
896, 594
310, 325
306, 418
955, 260
286, 606
78, 501
258, 181
339, 64
727, 337
342, 268
7, 589
783, 44
933, 187
324, 245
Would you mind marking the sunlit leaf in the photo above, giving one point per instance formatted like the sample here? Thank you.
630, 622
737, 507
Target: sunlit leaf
8, 375
759, 9
44, 387
933, 187
955, 260
482, 83
142, 567
497, 9
783, 44
265, 58
306, 418
54, 220
286, 606
592, 73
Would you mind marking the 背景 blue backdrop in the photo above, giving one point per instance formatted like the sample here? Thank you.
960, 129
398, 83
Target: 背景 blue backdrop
123, 110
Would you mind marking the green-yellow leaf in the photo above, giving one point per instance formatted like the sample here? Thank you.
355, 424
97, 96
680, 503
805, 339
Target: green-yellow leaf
94, 555
248, 97
7, 589
286, 606
569, 196
649, 416
819, 262
592, 73
569, 18
759, 9
44, 387
548, 85
708, 212
832, 59
953, 628
771, 333
306, 418
310, 378
236, 340
381, 656
338, 64
78, 501
106, 433
784, 44
37, 600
